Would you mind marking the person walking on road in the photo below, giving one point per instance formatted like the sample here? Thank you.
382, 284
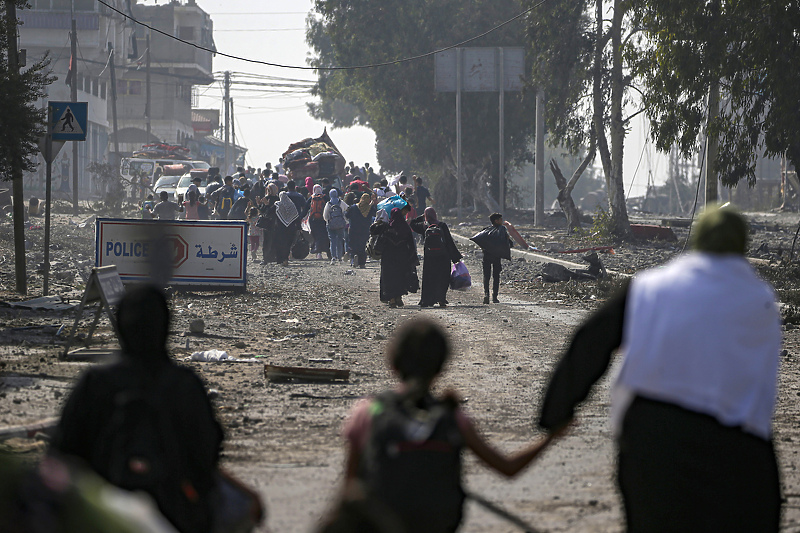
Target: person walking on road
398, 259
183, 489
500, 248
336, 225
319, 228
404, 446
166, 209
360, 216
692, 405
439, 252
285, 228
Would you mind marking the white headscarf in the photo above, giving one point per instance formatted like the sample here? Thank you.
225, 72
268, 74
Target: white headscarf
285, 208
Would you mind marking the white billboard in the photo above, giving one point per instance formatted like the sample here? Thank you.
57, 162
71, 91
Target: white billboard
197, 253
480, 69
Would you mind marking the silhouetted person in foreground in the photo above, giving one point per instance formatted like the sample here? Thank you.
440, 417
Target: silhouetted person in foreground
404, 445
693, 403
144, 423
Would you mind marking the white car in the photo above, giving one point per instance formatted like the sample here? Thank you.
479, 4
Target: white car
186, 181
168, 184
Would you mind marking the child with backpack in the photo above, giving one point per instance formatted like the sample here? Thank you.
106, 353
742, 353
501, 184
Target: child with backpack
337, 225
404, 445
496, 245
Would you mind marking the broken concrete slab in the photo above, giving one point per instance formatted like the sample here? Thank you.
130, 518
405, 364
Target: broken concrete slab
287, 373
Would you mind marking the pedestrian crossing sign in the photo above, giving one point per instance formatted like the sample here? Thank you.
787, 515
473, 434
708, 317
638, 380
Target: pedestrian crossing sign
68, 120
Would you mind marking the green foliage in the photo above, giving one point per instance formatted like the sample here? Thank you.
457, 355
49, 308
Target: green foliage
561, 40
752, 48
603, 226
21, 123
414, 125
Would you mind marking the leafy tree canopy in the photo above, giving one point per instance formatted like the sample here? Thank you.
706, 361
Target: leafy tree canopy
752, 48
21, 123
414, 125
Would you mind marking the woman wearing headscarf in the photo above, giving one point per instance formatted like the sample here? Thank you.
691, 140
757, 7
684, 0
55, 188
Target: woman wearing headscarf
319, 229
267, 220
398, 259
360, 217
336, 225
309, 183
694, 399
439, 252
285, 227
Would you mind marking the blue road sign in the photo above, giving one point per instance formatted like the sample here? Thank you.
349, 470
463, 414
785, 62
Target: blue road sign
68, 120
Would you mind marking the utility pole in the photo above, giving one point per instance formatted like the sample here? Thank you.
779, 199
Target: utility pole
16, 167
458, 132
538, 188
712, 144
226, 102
73, 96
115, 159
48, 198
501, 139
147, 84
234, 152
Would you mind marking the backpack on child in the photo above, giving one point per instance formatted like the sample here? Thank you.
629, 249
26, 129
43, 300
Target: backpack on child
412, 463
336, 218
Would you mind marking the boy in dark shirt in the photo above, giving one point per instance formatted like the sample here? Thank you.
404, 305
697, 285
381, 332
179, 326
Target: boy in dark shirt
491, 262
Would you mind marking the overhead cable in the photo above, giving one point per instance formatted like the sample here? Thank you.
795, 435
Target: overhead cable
297, 67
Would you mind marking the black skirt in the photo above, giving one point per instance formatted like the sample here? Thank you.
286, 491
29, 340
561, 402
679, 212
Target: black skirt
684, 471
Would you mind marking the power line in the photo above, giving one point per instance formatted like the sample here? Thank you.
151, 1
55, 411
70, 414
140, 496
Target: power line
262, 13
296, 67
261, 30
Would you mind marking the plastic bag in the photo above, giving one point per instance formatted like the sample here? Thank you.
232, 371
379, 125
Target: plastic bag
392, 202
493, 240
460, 280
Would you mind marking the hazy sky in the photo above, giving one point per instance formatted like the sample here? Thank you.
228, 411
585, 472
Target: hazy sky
267, 122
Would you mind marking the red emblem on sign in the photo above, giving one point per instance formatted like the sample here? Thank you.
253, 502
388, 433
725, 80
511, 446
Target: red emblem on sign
180, 249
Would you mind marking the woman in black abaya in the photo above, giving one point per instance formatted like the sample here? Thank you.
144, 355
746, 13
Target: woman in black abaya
398, 260
440, 251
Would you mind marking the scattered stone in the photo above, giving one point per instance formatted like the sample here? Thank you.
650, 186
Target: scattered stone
197, 326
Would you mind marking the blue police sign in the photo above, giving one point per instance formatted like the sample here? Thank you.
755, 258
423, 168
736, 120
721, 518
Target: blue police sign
68, 120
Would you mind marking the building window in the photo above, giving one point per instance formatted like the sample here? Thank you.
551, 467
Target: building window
62, 5
103, 90
95, 87
85, 5
134, 87
122, 87
87, 84
186, 33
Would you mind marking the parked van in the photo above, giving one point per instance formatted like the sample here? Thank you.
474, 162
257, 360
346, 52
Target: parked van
133, 169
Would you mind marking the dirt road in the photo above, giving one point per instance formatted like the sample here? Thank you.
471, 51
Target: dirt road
284, 438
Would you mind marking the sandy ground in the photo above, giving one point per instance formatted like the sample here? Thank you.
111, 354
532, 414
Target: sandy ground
283, 438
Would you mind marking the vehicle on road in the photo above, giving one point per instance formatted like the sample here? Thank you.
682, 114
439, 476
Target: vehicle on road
166, 183
186, 181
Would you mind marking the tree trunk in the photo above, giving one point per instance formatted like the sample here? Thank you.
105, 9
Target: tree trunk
616, 186
565, 198
565, 190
